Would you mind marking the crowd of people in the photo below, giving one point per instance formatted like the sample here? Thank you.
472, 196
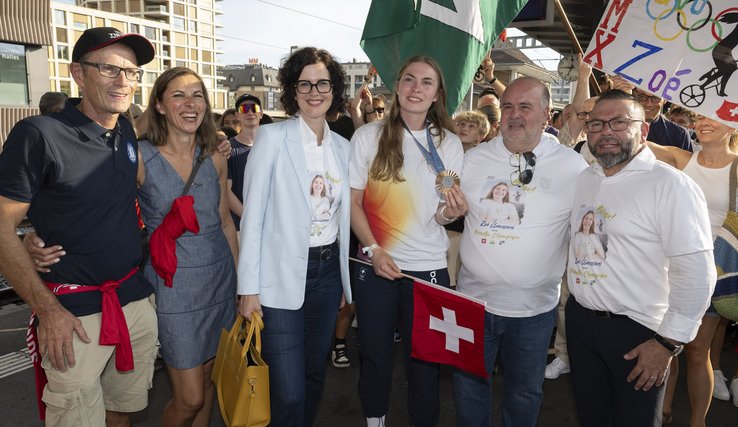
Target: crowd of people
562, 221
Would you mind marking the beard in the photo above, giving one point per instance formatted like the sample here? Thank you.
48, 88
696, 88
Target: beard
608, 160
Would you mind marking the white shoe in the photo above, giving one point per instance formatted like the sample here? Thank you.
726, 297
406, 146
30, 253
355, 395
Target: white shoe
720, 390
375, 422
556, 368
734, 390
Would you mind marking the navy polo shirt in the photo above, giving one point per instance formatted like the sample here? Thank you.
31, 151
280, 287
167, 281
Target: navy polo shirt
80, 181
663, 131
236, 168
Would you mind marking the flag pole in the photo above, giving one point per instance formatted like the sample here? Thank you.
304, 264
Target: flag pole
574, 41
425, 282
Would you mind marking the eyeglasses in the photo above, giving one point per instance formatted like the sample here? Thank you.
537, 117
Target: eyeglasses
644, 98
524, 174
596, 126
249, 108
379, 110
305, 86
111, 71
583, 115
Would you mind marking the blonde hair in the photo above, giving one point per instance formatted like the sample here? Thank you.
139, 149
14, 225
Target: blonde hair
387, 164
475, 117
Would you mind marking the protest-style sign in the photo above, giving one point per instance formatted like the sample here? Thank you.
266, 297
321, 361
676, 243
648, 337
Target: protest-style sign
681, 50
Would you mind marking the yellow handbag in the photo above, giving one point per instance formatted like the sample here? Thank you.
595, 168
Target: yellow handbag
240, 375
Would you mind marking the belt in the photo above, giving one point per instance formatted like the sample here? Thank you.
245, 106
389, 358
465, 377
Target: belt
608, 314
323, 253
601, 313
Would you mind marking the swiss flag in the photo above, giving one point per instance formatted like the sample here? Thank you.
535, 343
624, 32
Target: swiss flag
448, 328
728, 111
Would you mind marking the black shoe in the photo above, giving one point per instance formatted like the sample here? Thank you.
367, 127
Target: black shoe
339, 357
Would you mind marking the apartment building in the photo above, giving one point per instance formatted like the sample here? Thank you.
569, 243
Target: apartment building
182, 32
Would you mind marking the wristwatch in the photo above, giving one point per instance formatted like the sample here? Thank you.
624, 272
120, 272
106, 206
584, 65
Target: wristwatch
494, 79
674, 349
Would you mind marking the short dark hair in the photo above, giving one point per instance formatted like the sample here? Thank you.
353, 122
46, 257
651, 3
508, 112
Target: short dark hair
290, 72
614, 94
489, 91
52, 102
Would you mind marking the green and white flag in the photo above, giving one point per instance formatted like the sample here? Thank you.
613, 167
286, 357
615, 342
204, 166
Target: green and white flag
456, 33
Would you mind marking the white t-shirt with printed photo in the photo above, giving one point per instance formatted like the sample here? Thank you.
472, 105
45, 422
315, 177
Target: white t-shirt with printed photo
402, 214
647, 212
513, 257
324, 186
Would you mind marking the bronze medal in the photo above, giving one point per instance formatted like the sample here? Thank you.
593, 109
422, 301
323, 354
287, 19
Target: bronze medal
446, 180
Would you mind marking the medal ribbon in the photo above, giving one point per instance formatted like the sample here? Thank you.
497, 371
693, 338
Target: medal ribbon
431, 155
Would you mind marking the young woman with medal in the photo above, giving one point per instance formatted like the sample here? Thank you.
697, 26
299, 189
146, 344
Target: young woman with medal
403, 190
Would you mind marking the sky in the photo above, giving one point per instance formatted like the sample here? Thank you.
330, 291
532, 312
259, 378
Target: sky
265, 29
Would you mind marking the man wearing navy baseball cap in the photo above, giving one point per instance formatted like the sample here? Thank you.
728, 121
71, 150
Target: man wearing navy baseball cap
74, 174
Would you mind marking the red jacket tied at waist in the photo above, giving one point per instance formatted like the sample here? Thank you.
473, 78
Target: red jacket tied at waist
114, 329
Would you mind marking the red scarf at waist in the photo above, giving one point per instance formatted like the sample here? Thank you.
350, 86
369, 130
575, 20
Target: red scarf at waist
113, 329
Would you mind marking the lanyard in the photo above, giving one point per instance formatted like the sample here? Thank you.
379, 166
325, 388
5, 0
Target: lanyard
431, 155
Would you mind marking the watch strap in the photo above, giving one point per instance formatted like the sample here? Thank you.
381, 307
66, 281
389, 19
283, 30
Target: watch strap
673, 348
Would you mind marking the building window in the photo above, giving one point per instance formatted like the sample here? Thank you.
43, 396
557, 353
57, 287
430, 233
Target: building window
150, 33
13, 75
134, 28
193, 26
60, 17
178, 23
64, 87
61, 35
62, 52
178, 9
81, 22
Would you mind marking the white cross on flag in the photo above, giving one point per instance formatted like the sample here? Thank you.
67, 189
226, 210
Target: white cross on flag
448, 328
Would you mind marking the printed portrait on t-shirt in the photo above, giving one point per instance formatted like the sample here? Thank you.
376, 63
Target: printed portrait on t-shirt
501, 204
321, 201
590, 238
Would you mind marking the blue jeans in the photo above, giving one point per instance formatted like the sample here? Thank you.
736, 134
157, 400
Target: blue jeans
296, 344
523, 344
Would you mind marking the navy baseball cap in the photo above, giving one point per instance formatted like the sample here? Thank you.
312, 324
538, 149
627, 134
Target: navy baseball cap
97, 38
246, 97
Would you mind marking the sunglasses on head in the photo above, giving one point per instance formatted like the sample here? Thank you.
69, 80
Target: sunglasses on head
249, 108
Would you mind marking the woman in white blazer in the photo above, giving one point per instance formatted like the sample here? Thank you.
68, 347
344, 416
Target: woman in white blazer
293, 267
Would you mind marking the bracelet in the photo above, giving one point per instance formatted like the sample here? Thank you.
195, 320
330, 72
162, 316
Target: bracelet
494, 79
449, 220
369, 250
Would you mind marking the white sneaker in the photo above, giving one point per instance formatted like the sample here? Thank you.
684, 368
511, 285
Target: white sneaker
720, 391
734, 390
556, 368
375, 422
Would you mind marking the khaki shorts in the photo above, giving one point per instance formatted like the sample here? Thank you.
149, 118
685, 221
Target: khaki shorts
80, 396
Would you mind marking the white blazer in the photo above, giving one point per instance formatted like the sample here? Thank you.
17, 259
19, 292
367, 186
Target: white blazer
276, 220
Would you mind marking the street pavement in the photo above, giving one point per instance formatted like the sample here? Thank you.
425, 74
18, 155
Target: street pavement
340, 406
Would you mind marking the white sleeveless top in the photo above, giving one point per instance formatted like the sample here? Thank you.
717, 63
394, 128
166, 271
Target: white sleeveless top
714, 183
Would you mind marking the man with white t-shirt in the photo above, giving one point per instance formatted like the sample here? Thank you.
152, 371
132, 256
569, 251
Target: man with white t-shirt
641, 295
513, 251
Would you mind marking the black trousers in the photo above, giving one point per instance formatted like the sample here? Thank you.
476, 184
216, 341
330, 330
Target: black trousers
380, 303
602, 394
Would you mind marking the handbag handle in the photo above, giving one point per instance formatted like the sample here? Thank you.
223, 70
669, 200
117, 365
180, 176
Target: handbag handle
732, 180
254, 333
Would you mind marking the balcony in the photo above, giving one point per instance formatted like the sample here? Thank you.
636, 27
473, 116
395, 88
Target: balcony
156, 11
